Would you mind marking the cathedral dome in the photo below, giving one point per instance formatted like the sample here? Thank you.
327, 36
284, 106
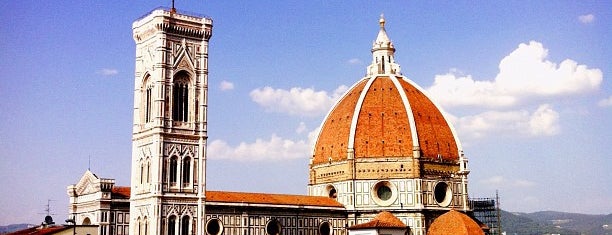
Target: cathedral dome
454, 222
385, 115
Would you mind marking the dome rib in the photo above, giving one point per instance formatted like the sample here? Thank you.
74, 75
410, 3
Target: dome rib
442, 113
364, 92
413, 130
324, 140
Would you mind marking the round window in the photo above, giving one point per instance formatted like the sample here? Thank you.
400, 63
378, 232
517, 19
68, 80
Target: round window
331, 191
273, 227
442, 194
214, 227
325, 228
384, 192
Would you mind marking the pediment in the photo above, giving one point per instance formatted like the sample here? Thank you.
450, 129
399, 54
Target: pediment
89, 183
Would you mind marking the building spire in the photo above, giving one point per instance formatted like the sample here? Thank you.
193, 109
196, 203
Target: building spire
383, 51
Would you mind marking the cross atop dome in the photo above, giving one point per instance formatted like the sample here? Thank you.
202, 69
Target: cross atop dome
382, 53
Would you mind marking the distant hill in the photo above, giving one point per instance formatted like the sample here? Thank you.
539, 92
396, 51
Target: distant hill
14, 227
552, 222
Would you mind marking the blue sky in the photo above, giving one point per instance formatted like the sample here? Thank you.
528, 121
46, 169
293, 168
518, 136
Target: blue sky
527, 85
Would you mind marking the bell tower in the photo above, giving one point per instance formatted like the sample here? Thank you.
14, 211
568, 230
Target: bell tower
170, 118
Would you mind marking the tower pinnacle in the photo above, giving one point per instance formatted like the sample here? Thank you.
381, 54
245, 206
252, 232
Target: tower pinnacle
383, 51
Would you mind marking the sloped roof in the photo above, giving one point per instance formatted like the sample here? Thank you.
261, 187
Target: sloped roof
39, 230
454, 222
252, 198
121, 192
383, 220
272, 199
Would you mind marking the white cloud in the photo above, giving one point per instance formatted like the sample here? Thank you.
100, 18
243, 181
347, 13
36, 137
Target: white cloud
354, 61
607, 102
301, 128
501, 182
296, 101
451, 90
586, 19
494, 181
523, 183
107, 72
226, 86
275, 148
544, 121
524, 73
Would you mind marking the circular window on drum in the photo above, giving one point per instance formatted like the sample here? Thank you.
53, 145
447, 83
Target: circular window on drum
443, 194
384, 193
331, 191
214, 227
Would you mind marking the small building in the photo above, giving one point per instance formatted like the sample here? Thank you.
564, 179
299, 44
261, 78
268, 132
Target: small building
384, 223
97, 201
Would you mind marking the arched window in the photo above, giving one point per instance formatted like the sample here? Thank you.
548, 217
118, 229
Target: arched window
139, 228
185, 225
148, 172
141, 172
171, 225
180, 101
148, 98
173, 169
146, 226
186, 170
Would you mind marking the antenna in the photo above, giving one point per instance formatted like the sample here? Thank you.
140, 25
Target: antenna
89, 163
48, 218
48, 207
173, 9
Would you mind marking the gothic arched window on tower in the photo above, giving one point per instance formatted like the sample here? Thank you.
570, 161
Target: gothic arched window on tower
148, 171
186, 171
141, 171
185, 225
148, 97
180, 98
139, 229
173, 170
146, 226
171, 225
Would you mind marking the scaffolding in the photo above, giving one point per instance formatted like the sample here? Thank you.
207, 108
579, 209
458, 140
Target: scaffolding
486, 210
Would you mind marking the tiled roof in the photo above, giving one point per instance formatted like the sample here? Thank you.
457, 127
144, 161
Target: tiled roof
383, 220
121, 192
454, 222
252, 198
39, 230
271, 199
